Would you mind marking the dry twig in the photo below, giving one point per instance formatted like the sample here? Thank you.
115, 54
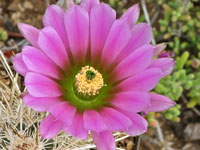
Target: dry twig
146, 14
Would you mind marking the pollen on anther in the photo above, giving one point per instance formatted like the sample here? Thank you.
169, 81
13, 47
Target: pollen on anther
88, 82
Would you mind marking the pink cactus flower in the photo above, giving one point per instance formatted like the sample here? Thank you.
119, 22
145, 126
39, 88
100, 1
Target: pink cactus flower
92, 72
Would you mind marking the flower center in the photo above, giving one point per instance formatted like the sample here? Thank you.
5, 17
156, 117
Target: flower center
88, 82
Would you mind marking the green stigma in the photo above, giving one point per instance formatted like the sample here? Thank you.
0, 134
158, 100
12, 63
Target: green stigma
90, 75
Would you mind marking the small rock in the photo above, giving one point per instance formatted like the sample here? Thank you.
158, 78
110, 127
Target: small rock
28, 5
188, 116
191, 146
130, 145
195, 63
13, 6
21, 8
16, 15
192, 132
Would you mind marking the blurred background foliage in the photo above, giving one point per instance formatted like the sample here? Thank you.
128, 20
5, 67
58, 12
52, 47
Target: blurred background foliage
176, 23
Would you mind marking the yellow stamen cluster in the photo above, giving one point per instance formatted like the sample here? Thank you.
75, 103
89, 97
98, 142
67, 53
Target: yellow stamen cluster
88, 85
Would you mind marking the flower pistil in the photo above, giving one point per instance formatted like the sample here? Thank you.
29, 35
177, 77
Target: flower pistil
88, 82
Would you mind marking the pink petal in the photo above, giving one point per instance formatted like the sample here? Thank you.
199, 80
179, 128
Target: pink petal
131, 101
165, 64
144, 81
159, 103
50, 127
37, 61
19, 64
63, 111
101, 19
51, 44
141, 34
139, 124
103, 140
54, 17
41, 86
115, 120
30, 33
89, 4
77, 26
132, 15
139, 60
118, 37
93, 121
77, 129
40, 103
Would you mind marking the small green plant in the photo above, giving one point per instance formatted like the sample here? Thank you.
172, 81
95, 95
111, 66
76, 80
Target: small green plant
3, 35
179, 26
194, 93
